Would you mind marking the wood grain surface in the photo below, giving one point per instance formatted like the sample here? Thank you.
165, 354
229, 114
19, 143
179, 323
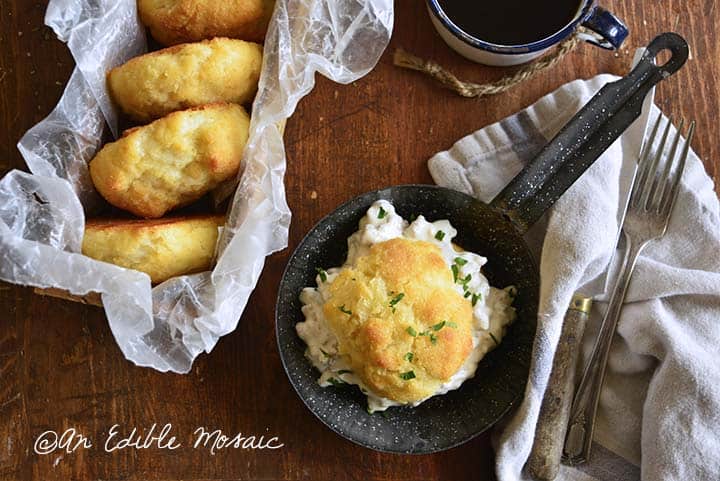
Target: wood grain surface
60, 367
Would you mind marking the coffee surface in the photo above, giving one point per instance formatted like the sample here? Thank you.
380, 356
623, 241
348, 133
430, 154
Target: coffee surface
510, 22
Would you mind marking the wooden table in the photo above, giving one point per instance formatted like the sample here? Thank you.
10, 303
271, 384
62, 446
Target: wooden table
60, 367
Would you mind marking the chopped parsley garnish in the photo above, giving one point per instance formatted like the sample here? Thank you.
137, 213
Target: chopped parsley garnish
436, 328
381, 213
408, 375
344, 371
467, 294
411, 331
433, 337
439, 235
409, 356
324, 353
335, 382
395, 300
321, 272
344, 310
476, 298
493, 338
439, 326
455, 268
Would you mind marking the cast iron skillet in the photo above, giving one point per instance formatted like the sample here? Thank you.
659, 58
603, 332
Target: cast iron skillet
496, 232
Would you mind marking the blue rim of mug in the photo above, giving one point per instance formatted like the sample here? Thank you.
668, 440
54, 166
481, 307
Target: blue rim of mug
520, 49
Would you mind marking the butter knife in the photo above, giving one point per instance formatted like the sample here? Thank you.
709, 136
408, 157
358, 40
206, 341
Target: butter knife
544, 461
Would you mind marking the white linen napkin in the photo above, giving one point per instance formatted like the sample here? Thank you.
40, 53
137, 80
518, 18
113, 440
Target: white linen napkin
659, 412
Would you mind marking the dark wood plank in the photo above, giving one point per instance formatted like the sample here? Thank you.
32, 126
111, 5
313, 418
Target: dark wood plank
60, 367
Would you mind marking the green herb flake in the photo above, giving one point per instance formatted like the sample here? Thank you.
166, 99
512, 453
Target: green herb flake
451, 324
433, 339
467, 294
460, 261
395, 300
476, 298
335, 382
439, 235
407, 375
344, 310
497, 343
411, 331
409, 357
321, 272
324, 353
381, 213
344, 371
456, 272
439, 326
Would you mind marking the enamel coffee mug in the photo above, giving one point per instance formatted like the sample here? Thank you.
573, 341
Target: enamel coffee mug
462, 29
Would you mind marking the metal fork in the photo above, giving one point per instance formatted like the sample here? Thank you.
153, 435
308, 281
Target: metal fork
648, 213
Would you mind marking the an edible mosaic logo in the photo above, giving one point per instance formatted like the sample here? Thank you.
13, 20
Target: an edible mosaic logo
156, 437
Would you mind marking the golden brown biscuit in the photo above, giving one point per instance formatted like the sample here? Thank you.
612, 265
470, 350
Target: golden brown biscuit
189, 75
179, 21
162, 248
399, 321
172, 161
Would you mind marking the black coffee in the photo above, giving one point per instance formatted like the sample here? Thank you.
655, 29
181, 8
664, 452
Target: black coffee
510, 22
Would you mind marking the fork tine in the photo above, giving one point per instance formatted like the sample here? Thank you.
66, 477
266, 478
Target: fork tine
643, 162
669, 200
652, 168
661, 183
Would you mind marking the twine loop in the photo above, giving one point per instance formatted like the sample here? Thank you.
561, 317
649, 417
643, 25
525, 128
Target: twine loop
407, 60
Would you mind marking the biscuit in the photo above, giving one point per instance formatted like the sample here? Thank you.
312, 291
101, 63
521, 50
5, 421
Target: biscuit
172, 161
179, 21
162, 248
189, 75
399, 320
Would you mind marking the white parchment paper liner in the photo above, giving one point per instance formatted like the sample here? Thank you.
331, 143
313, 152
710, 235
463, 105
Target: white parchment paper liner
42, 214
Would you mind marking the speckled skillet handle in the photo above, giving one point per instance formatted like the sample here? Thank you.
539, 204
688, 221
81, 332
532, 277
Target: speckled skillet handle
605, 117
544, 461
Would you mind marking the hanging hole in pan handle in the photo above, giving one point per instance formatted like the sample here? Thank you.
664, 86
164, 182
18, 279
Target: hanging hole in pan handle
666, 44
663, 57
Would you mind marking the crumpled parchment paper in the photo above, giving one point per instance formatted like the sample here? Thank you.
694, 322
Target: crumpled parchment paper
42, 214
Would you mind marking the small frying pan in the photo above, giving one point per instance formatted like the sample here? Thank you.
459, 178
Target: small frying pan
496, 232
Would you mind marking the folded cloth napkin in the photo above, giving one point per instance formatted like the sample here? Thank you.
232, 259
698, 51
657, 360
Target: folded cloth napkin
659, 411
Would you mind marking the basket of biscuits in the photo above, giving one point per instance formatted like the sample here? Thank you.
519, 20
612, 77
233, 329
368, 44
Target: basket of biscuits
156, 185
